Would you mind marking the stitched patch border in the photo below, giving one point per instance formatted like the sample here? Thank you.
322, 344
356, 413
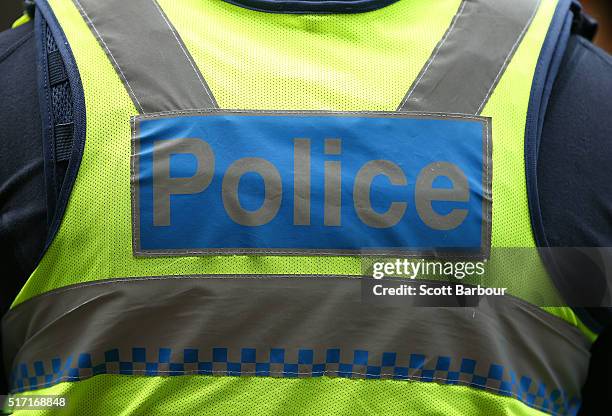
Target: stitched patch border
441, 252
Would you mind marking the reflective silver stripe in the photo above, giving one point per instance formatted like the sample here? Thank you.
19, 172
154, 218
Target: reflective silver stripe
469, 60
148, 54
496, 341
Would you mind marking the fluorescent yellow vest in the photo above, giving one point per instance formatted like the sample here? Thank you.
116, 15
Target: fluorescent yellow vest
249, 60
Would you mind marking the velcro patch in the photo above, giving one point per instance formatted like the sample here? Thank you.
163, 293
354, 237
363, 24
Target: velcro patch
321, 183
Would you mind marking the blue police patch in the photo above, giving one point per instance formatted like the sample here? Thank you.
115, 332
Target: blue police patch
231, 182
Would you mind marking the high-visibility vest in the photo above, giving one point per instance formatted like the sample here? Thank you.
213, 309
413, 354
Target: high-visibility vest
234, 175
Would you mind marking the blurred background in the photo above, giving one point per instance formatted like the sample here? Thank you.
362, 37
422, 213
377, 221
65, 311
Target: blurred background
601, 10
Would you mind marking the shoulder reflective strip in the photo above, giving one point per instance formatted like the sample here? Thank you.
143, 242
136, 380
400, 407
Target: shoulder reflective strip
148, 54
469, 60
288, 326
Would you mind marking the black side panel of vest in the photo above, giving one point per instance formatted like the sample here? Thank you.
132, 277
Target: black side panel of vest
57, 115
561, 263
62, 105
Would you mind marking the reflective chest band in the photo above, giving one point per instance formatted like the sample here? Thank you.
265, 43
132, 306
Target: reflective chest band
290, 326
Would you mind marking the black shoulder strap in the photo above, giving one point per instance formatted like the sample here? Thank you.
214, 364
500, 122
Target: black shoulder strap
583, 24
58, 117
62, 107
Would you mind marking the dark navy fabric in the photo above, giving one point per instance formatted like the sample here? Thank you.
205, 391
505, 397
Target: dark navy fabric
62, 107
568, 265
23, 209
312, 6
574, 173
575, 183
574, 169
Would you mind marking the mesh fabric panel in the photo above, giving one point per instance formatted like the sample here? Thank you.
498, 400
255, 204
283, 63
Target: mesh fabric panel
62, 103
364, 61
51, 45
210, 395
258, 60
